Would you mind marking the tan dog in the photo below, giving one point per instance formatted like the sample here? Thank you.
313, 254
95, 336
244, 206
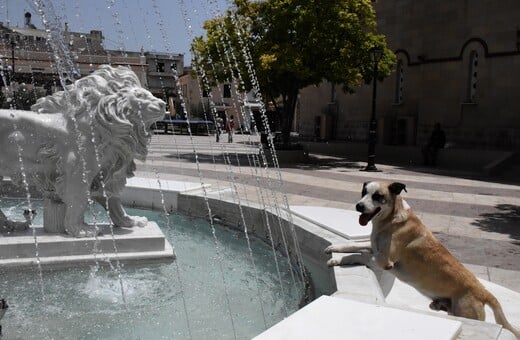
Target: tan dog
402, 244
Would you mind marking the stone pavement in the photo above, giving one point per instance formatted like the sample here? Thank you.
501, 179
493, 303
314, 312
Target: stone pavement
477, 219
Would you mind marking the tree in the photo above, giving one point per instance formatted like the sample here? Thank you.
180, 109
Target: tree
292, 44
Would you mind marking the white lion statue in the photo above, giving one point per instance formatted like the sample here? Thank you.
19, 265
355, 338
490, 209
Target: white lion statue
80, 144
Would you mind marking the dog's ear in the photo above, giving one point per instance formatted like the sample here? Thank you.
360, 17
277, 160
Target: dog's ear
396, 188
364, 190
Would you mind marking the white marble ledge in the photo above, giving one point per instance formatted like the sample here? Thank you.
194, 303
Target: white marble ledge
339, 221
162, 184
335, 318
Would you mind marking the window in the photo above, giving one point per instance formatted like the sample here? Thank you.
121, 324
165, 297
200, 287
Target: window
173, 67
159, 67
471, 86
227, 90
398, 91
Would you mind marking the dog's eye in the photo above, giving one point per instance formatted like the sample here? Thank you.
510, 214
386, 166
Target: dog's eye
377, 196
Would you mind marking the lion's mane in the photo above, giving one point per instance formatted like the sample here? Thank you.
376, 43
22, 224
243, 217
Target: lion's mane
110, 108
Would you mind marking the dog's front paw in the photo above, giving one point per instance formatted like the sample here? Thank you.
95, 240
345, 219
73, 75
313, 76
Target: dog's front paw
331, 249
350, 259
333, 262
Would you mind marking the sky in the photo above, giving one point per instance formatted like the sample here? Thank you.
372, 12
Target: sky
155, 25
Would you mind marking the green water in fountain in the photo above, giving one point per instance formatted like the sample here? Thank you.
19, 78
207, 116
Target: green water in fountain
82, 305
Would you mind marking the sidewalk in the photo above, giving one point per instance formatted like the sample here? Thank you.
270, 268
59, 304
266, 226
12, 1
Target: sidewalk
477, 219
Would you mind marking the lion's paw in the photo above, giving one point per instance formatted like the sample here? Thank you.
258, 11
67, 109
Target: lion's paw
140, 221
133, 221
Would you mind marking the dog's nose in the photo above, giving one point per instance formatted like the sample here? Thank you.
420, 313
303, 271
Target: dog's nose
360, 207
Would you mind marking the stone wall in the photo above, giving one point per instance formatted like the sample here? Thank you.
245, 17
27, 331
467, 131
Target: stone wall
436, 43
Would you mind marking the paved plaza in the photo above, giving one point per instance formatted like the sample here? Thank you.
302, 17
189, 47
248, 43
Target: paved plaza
476, 218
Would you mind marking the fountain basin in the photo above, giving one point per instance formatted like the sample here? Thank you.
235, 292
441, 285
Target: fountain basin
203, 292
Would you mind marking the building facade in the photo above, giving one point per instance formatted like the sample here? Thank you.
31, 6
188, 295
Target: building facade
224, 100
458, 65
28, 58
162, 72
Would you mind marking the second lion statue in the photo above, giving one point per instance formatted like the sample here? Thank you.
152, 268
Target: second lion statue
80, 144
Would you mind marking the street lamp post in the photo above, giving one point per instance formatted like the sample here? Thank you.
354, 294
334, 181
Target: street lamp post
13, 45
376, 54
10, 73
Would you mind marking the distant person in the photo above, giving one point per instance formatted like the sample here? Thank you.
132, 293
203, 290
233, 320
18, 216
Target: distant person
166, 120
230, 127
218, 128
437, 141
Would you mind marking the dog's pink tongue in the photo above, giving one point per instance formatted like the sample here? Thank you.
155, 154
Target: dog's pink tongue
363, 219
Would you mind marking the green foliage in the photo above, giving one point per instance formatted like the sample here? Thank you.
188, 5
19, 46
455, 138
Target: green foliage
293, 44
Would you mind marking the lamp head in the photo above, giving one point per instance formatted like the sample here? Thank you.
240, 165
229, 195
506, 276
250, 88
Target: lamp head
377, 53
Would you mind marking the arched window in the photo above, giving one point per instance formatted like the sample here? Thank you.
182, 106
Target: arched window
471, 86
398, 91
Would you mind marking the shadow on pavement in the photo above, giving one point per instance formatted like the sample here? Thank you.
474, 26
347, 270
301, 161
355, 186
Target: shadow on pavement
482, 252
505, 221
464, 174
324, 162
236, 159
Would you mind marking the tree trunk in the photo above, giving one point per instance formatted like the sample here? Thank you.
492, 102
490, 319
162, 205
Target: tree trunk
289, 104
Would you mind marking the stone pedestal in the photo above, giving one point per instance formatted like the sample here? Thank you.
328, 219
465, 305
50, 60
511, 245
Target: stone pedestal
53, 215
133, 245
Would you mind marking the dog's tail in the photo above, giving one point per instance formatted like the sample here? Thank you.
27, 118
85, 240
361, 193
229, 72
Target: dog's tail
500, 317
